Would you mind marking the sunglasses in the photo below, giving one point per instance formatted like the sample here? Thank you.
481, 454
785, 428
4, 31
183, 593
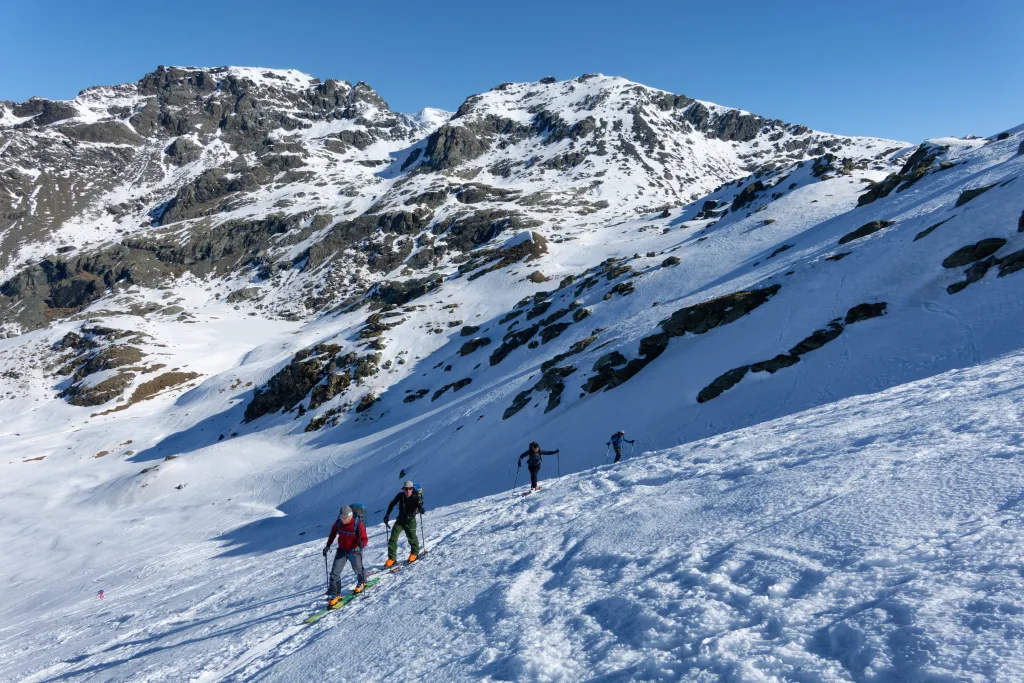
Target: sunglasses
408, 488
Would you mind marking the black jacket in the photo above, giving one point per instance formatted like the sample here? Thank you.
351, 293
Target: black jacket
408, 506
534, 458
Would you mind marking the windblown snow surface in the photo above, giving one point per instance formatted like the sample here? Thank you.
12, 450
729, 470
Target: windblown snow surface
877, 538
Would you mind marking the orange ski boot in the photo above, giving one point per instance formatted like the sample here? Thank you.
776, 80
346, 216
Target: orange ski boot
389, 563
412, 557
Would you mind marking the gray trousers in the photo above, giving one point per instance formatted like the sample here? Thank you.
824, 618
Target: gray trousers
341, 558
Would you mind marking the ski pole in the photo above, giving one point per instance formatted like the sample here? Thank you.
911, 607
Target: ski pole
516, 480
423, 533
327, 572
558, 462
607, 451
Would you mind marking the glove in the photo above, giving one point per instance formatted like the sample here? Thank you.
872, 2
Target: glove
519, 465
386, 520
607, 443
557, 451
327, 549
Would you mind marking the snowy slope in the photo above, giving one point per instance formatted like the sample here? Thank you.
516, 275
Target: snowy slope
185, 408
877, 538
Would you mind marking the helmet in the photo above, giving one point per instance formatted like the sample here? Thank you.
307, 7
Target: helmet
345, 513
622, 432
408, 485
534, 444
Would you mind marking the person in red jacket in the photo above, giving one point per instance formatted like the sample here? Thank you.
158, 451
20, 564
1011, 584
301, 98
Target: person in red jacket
352, 539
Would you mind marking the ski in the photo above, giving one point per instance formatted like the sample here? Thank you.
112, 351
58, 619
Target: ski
524, 495
405, 563
345, 599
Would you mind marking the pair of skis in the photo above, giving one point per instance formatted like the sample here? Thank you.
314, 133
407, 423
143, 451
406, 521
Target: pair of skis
350, 596
395, 567
345, 599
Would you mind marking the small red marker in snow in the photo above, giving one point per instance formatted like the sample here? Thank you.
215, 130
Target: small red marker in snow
100, 595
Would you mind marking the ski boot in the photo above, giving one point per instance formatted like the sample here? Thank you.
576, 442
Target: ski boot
412, 557
334, 601
389, 563
359, 588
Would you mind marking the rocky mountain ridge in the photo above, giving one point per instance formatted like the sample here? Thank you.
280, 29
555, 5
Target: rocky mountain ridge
247, 174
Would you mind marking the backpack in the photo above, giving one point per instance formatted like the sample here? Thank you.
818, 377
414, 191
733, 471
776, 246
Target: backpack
359, 511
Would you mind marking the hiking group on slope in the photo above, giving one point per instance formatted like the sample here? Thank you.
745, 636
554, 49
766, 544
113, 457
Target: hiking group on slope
350, 527
350, 530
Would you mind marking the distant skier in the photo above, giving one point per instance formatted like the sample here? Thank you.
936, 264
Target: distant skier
534, 454
352, 539
409, 502
616, 443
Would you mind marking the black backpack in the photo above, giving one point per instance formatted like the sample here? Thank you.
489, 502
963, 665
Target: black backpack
359, 512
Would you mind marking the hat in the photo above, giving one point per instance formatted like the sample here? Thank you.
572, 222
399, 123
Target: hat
408, 485
345, 512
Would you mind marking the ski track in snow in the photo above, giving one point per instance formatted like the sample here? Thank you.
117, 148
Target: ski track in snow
875, 539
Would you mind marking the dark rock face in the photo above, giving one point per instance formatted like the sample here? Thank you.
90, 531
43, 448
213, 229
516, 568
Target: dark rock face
968, 195
292, 382
783, 360
43, 112
552, 331
98, 394
112, 132
916, 167
551, 381
577, 348
670, 261
1011, 263
865, 312
927, 231
818, 338
474, 344
465, 232
243, 294
366, 402
55, 287
700, 318
468, 330
973, 252
747, 195
322, 393
613, 359
865, 230
822, 165
696, 319
512, 341
707, 210
527, 250
400, 293
182, 151
722, 383
454, 386
815, 341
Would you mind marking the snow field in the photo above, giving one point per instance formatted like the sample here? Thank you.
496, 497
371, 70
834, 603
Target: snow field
874, 539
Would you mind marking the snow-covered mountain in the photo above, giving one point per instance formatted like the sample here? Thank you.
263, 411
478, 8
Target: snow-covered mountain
234, 298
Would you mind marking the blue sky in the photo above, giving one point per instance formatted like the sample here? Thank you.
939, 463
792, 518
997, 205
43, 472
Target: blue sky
903, 69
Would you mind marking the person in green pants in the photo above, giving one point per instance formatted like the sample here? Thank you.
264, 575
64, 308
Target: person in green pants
409, 502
